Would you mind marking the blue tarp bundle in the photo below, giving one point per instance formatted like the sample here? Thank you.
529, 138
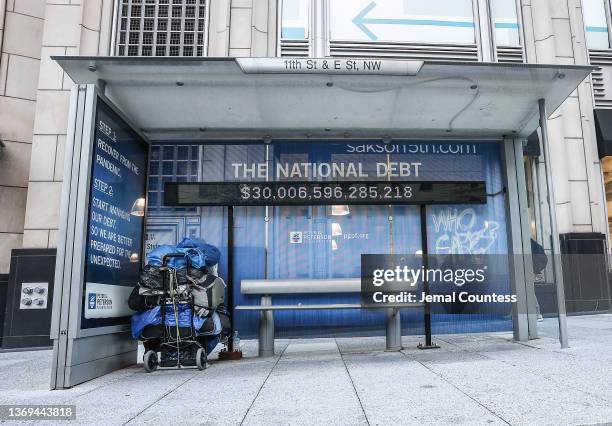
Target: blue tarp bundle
155, 257
153, 317
198, 252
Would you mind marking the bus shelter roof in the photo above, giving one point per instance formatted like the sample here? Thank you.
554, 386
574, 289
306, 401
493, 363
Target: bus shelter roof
187, 99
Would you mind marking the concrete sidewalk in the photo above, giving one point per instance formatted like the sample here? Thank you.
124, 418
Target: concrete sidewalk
472, 379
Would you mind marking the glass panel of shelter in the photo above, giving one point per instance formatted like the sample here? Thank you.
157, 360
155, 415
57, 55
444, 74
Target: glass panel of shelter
544, 286
326, 241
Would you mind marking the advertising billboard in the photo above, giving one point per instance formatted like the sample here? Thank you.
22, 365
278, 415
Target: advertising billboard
114, 244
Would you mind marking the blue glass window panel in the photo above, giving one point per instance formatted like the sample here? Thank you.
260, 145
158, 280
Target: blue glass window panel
182, 153
153, 183
154, 152
154, 168
167, 168
168, 153
153, 199
182, 168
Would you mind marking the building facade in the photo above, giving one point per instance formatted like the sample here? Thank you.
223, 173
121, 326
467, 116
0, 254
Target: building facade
35, 91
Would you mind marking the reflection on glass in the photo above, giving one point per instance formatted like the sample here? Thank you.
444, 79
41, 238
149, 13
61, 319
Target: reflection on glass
596, 25
340, 210
336, 229
432, 21
334, 245
294, 19
505, 20
134, 257
138, 208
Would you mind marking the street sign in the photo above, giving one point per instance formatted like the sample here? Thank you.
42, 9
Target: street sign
351, 66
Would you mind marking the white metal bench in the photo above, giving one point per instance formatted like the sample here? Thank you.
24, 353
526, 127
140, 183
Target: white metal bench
267, 288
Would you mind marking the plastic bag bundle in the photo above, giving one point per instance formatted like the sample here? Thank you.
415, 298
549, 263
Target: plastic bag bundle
151, 277
153, 317
195, 274
201, 254
181, 276
190, 271
156, 257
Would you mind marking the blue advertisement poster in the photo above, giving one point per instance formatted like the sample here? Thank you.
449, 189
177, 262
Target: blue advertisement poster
322, 242
115, 220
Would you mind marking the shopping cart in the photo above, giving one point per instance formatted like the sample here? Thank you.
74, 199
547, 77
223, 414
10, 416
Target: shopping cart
175, 338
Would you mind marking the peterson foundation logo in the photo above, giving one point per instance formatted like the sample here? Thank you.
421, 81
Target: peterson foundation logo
99, 301
296, 237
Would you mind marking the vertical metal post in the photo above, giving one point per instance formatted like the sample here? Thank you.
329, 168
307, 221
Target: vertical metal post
63, 265
527, 264
428, 341
318, 37
516, 245
556, 250
394, 318
484, 30
394, 330
266, 329
230, 274
232, 352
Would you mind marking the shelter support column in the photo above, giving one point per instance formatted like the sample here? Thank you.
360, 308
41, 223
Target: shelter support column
556, 250
266, 329
394, 330
524, 316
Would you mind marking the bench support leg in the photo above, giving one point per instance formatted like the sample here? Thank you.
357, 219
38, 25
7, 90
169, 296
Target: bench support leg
266, 329
394, 330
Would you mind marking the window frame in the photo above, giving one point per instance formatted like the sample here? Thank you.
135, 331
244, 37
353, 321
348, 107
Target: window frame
608, 12
519, 19
484, 29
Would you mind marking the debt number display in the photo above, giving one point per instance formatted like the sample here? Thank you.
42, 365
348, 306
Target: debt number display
323, 193
327, 192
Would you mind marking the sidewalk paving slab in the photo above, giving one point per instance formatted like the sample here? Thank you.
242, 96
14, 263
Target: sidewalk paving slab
309, 382
481, 378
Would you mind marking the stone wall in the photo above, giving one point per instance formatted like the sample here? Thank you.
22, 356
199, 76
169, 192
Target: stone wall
554, 34
21, 30
76, 27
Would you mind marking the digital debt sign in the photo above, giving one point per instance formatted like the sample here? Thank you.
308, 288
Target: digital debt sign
114, 245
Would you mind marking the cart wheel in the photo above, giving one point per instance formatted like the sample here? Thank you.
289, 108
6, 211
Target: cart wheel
150, 361
201, 359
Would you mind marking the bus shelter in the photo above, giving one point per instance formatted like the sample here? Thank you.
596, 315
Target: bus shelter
236, 119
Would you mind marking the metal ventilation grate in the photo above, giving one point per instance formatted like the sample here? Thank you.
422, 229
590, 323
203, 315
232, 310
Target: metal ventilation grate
510, 54
162, 28
602, 58
295, 48
403, 50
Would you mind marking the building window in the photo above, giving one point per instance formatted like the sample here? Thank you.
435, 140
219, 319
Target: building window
171, 163
444, 30
295, 19
505, 22
432, 21
161, 28
596, 23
